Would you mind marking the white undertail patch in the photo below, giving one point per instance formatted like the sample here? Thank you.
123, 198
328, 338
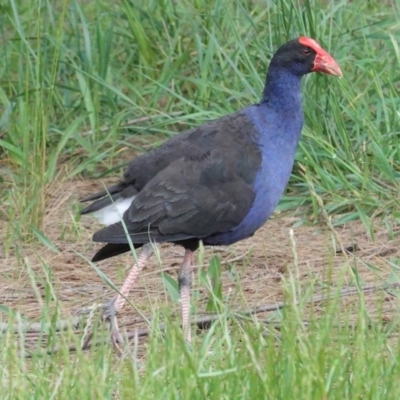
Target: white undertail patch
113, 213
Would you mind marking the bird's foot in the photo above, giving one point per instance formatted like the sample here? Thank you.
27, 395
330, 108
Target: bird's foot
109, 314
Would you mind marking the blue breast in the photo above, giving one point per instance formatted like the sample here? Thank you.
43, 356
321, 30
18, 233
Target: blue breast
279, 134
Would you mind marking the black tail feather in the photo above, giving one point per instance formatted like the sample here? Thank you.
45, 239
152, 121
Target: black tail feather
99, 204
113, 249
111, 190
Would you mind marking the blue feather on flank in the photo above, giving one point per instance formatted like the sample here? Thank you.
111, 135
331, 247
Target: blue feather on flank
278, 121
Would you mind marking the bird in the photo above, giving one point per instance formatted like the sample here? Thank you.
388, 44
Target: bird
217, 183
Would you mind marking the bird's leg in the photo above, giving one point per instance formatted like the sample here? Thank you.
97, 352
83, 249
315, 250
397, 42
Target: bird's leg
129, 283
185, 280
111, 307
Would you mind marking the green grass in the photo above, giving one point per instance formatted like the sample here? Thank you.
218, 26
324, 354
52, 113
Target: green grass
70, 68
286, 358
77, 67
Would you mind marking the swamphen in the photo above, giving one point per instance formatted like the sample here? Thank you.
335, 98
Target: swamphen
217, 183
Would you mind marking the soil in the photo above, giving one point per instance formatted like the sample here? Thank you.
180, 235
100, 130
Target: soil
254, 271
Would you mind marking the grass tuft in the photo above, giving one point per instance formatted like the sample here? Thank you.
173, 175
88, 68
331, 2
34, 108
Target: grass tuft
82, 83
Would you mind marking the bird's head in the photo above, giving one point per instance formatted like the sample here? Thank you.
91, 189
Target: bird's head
304, 55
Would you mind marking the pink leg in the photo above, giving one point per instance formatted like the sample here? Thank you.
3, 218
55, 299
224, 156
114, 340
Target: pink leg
132, 277
112, 307
185, 280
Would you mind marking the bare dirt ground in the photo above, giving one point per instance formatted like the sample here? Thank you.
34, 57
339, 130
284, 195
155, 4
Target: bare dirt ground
253, 273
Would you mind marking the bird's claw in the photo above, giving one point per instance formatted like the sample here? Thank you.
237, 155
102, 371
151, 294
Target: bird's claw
109, 310
109, 314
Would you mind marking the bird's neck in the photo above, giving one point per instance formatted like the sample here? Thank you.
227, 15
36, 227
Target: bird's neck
282, 90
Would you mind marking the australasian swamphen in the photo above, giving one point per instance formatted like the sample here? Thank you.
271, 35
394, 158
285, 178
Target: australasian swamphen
217, 183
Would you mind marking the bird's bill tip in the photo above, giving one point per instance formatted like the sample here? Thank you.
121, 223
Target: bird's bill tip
325, 63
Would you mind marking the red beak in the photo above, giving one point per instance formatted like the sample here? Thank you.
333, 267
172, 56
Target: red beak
324, 62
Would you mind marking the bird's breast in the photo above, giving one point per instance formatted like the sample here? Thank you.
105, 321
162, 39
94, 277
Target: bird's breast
278, 148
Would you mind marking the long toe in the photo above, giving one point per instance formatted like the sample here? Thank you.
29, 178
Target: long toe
109, 310
110, 315
116, 338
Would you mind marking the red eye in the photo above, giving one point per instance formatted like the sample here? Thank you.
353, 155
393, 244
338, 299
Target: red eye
306, 52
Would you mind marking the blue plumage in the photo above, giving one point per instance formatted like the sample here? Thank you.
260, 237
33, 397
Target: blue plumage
277, 139
217, 183
221, 181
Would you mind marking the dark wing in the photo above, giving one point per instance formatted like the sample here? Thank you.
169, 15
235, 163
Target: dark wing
194, 196
190, 144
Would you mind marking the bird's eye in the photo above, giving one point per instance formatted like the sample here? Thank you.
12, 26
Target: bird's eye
306, 52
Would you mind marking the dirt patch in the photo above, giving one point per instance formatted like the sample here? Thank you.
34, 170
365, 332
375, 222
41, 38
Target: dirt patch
252, 275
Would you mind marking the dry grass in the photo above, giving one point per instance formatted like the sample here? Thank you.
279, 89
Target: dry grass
259, 265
